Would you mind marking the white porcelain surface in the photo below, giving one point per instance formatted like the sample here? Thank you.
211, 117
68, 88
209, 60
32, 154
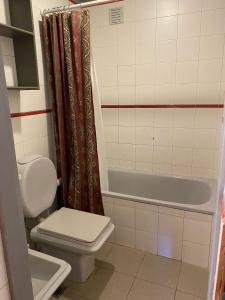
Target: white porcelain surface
47, 274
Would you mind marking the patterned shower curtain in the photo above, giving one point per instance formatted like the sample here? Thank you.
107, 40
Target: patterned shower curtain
67, 50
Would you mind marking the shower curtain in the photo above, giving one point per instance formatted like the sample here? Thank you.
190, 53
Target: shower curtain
67, 50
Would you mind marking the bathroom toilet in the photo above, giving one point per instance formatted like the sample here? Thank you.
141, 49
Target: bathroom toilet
69, 234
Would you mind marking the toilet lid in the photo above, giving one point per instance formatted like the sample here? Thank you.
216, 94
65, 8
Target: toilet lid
70, 224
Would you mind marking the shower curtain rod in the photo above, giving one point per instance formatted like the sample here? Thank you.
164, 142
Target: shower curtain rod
74, 6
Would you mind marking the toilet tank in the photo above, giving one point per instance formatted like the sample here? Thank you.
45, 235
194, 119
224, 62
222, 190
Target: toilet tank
38, 184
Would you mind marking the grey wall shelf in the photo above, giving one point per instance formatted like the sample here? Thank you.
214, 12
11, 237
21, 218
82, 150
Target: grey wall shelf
11, 31
22, 32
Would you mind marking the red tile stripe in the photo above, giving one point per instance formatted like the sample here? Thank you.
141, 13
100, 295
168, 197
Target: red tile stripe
31, 113
166, 106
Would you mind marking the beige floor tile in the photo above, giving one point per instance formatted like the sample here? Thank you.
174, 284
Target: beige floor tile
143, 290
182, 296
104, 251
125, 260
160, 270
193, 280
102, 285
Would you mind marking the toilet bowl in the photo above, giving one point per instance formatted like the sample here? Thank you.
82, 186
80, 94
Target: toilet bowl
69, 234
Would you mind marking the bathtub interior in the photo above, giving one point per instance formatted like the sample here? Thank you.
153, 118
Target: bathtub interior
164, 188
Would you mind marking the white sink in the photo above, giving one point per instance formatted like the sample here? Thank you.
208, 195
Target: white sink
47, 274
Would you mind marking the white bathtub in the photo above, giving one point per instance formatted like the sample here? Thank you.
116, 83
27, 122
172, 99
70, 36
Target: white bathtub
196, 195
165, 215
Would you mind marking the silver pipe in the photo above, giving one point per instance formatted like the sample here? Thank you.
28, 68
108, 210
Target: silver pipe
74, 6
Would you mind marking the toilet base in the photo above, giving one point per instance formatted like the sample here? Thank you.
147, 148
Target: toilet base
82, 265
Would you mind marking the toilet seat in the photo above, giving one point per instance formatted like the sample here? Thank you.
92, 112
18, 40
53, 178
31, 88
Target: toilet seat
75, 226
71, 235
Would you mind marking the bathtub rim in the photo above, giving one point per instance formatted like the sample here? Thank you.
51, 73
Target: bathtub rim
205, 208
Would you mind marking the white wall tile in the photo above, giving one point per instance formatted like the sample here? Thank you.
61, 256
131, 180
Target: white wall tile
126, 75
109, 95
186, 72
171, 211
183, 137
145, 9
188, 49
195, 254
213, 22
144, 153
197, 231
185, 93
143, 166
165, 72
126, 135
144, 136
209, 4
145, 74
126, 117
146, 241
170, 236
211, 47
203, 158
145, 52
189, 25
141, 35
124, 216
125, 236
145, 94
109, 76
163, 118
190, 6
162, 155
126, 152
163, 137
144, 117
209, 93
198, 216
167, 8
184, 118
164, 93
146, 220
162, 168
110, 117
182, 156
126, 94
166, 28
206, 138
111, 134
210, 70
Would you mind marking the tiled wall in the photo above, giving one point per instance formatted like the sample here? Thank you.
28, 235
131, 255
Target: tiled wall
4, 287
32, 134
166, 52
168, 232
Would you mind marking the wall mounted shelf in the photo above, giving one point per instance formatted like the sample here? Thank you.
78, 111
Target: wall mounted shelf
23, 87
11, 31
22, 32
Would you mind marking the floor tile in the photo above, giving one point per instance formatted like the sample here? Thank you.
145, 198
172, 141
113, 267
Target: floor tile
104, 251
102, 285
143, 290
182, 296
160, 270
125, 260
193, 280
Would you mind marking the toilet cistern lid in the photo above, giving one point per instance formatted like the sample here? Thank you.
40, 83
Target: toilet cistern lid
38, 184
70, 224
